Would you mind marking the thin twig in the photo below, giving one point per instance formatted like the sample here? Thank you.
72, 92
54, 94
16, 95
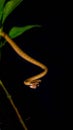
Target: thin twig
13, 105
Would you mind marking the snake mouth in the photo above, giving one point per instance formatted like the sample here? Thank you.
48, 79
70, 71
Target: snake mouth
34, 84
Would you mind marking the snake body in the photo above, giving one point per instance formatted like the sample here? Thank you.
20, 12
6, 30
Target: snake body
33, 81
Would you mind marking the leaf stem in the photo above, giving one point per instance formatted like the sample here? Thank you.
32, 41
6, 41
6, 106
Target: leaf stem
13, 105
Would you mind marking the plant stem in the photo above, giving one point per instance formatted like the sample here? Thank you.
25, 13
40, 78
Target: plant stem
13, 105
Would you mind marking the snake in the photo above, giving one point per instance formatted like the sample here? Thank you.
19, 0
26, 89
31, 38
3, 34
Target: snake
32, 82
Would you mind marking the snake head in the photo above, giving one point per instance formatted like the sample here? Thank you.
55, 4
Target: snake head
34, 84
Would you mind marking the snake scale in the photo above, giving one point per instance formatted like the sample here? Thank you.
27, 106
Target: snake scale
32, 82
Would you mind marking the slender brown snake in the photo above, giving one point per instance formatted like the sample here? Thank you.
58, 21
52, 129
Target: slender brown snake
32, 82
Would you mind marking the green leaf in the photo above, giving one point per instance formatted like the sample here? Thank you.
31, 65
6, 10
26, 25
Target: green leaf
16, 31
9, 7
2, 2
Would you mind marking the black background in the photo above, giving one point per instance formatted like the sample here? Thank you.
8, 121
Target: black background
43, 107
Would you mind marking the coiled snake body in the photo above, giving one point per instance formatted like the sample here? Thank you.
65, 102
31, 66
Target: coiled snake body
32, 82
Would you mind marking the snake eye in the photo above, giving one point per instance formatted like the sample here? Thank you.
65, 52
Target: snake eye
35, 84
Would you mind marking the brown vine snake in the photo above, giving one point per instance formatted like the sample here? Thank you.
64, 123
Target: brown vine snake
32, 82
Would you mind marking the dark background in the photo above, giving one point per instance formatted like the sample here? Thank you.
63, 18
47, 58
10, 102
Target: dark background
43, 107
